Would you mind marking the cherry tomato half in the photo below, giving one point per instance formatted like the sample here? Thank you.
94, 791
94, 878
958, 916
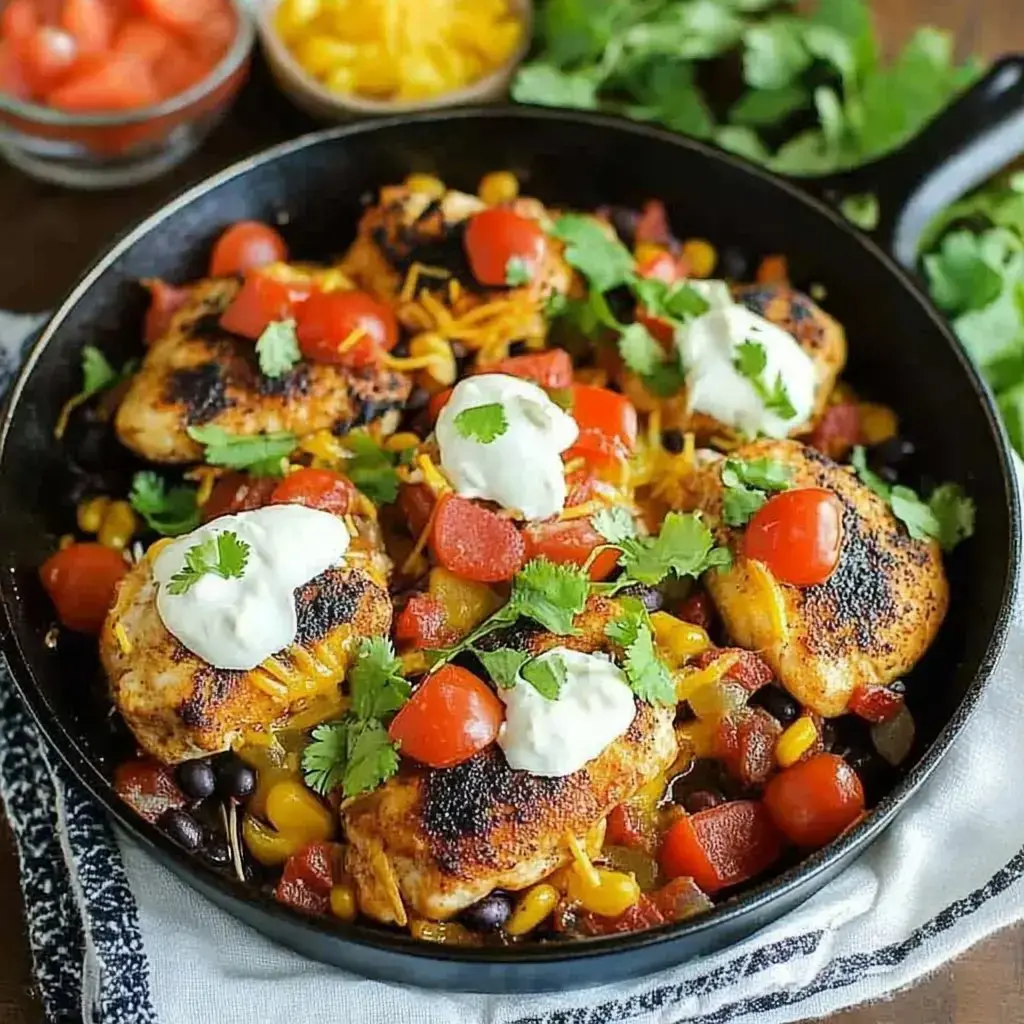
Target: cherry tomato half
148, 786
82, 582
316, 488
238, 492
815, 800
262, 299
798, 535
607, 422
306, 881
495, 236
451, 717
570, 543
328, 320
247, 245
475, 543
550, 369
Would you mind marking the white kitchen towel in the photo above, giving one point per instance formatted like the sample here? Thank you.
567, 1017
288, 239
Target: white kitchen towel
117, 939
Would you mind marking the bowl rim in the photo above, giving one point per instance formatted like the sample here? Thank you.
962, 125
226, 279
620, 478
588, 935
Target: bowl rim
237, 52
737, 907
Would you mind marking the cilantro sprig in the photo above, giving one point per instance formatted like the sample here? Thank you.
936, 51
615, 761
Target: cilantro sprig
518, 272
169, 511
482, 423
97, 375
747, 484
372, 468
224, 555
947, 516
355, 753
277, 348
645, 671
506, 666
751, 360
260, 454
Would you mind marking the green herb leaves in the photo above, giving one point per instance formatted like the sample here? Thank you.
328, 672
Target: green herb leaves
517, 272
355, 753
97, 376
223, 555
169, 511
482, 423
683, 547
261, 454
546, 675
503, 665
551, 595
645, 672
371, 468
751, 360
947, 516
600, 257
278, 348
746, 484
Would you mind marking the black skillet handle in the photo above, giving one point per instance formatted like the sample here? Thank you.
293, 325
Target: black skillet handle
973, 138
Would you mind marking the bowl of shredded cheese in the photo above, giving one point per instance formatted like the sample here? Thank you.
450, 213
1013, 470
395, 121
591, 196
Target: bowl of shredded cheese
342, 58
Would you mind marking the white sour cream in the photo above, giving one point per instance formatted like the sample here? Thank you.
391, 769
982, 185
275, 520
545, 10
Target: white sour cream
522, 468
236, 623
707, 350
558, 737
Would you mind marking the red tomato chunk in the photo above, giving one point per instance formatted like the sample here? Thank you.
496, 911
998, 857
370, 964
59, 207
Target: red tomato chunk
148, 786
475, 543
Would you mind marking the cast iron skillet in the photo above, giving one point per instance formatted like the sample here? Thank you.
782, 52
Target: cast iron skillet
901, 353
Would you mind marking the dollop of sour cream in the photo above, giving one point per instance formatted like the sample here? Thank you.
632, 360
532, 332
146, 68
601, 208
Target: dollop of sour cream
238, 622
521, 468
558, 737
707, 347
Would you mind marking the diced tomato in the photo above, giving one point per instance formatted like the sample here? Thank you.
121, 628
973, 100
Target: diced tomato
437, 403
838, 430
306, 881
653, 226
246, 245
316, 488
211, 42
625, 828
497, 239
108, 83
351, 328
148, 786
643, 914
607, 422
82, 582
451, 716
144, 40
91, 23
773, 270
570, 543
19, 20
697, 609
749, 669
188, 16
815, 800
263, 299
164, 301
798, 535
179, 69
875, 703
416, 502
581, 485
47, 58
722, 846
550, 369
423, 623
474, 542
238, 492
745, 743
679, 899
12, 74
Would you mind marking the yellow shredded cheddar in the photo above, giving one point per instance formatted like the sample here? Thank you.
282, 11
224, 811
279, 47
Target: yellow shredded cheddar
690, 680
583, 862
122, 638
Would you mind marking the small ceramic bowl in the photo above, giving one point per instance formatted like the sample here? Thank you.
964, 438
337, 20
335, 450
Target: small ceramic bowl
315, 99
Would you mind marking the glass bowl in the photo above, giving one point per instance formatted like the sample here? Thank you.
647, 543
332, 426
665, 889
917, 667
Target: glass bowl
117, 149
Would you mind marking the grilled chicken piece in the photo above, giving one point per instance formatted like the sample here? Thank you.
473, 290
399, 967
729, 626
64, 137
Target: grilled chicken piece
197, 374
868, 623
180, 707
407, 228
433, 841
818, 334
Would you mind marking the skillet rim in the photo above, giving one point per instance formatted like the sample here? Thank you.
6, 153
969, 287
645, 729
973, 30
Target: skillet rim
749, 902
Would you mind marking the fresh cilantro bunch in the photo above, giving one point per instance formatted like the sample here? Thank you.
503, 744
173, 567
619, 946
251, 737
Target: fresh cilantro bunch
224, 555
260, 454
947, 516
355, 753
641, 58
646, 672
169, 511
747, 484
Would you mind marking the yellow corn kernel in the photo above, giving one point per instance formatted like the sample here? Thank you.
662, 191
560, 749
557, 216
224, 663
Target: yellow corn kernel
795, 741
701, 257
342, 81
690, 681
400, 441
878, 423
293, 809
358, 22
614, 893
498, 187
420, 77
533, 907
89, 514
343, 901
327, 450
119, 523
426, 183
699, 736
320, 54
376, 74
647, 251
448, 933
66, 540
293, 17
716, 700
466, 603
266, 845
678, 640
497, 42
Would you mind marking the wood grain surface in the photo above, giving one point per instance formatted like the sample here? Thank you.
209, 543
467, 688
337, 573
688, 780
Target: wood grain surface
50, 235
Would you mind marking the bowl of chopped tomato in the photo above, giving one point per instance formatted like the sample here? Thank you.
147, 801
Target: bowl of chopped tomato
104, 94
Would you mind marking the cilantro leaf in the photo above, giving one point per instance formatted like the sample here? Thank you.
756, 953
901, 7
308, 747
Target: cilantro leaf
678, 301
918, 518
868, 476
547, 86
552, 595
376, 683
623, 629
222, 555
751, 360
97, 373
604, 261
775, 53
354, 755
503, 665
278, 348
684, 546
259, 453
546, 674
639, 350
168, 512
517, 272
776, 400
325, 759
483, 423
371, 468
739, 503
615, 524
764, 473
862, 210
954, 512
646, 673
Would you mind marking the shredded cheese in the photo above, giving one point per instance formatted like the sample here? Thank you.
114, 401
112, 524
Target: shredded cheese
690, 681
771, 596
122, 638
412, 279
432, 476
583, 861
353, 339
588, 508
421, 542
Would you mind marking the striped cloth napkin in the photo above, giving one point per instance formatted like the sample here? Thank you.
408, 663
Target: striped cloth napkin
117, 939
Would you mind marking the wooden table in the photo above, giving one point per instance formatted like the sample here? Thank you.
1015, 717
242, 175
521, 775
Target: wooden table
64, 230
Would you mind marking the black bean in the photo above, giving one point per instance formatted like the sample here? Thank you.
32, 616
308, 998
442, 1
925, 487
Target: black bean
672, 441
733, 264
777, 703
702, 800
488, 914
92, 445
235, 778
518, 348
196, 779
182, 828
624, 220
887, 456
217, 853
